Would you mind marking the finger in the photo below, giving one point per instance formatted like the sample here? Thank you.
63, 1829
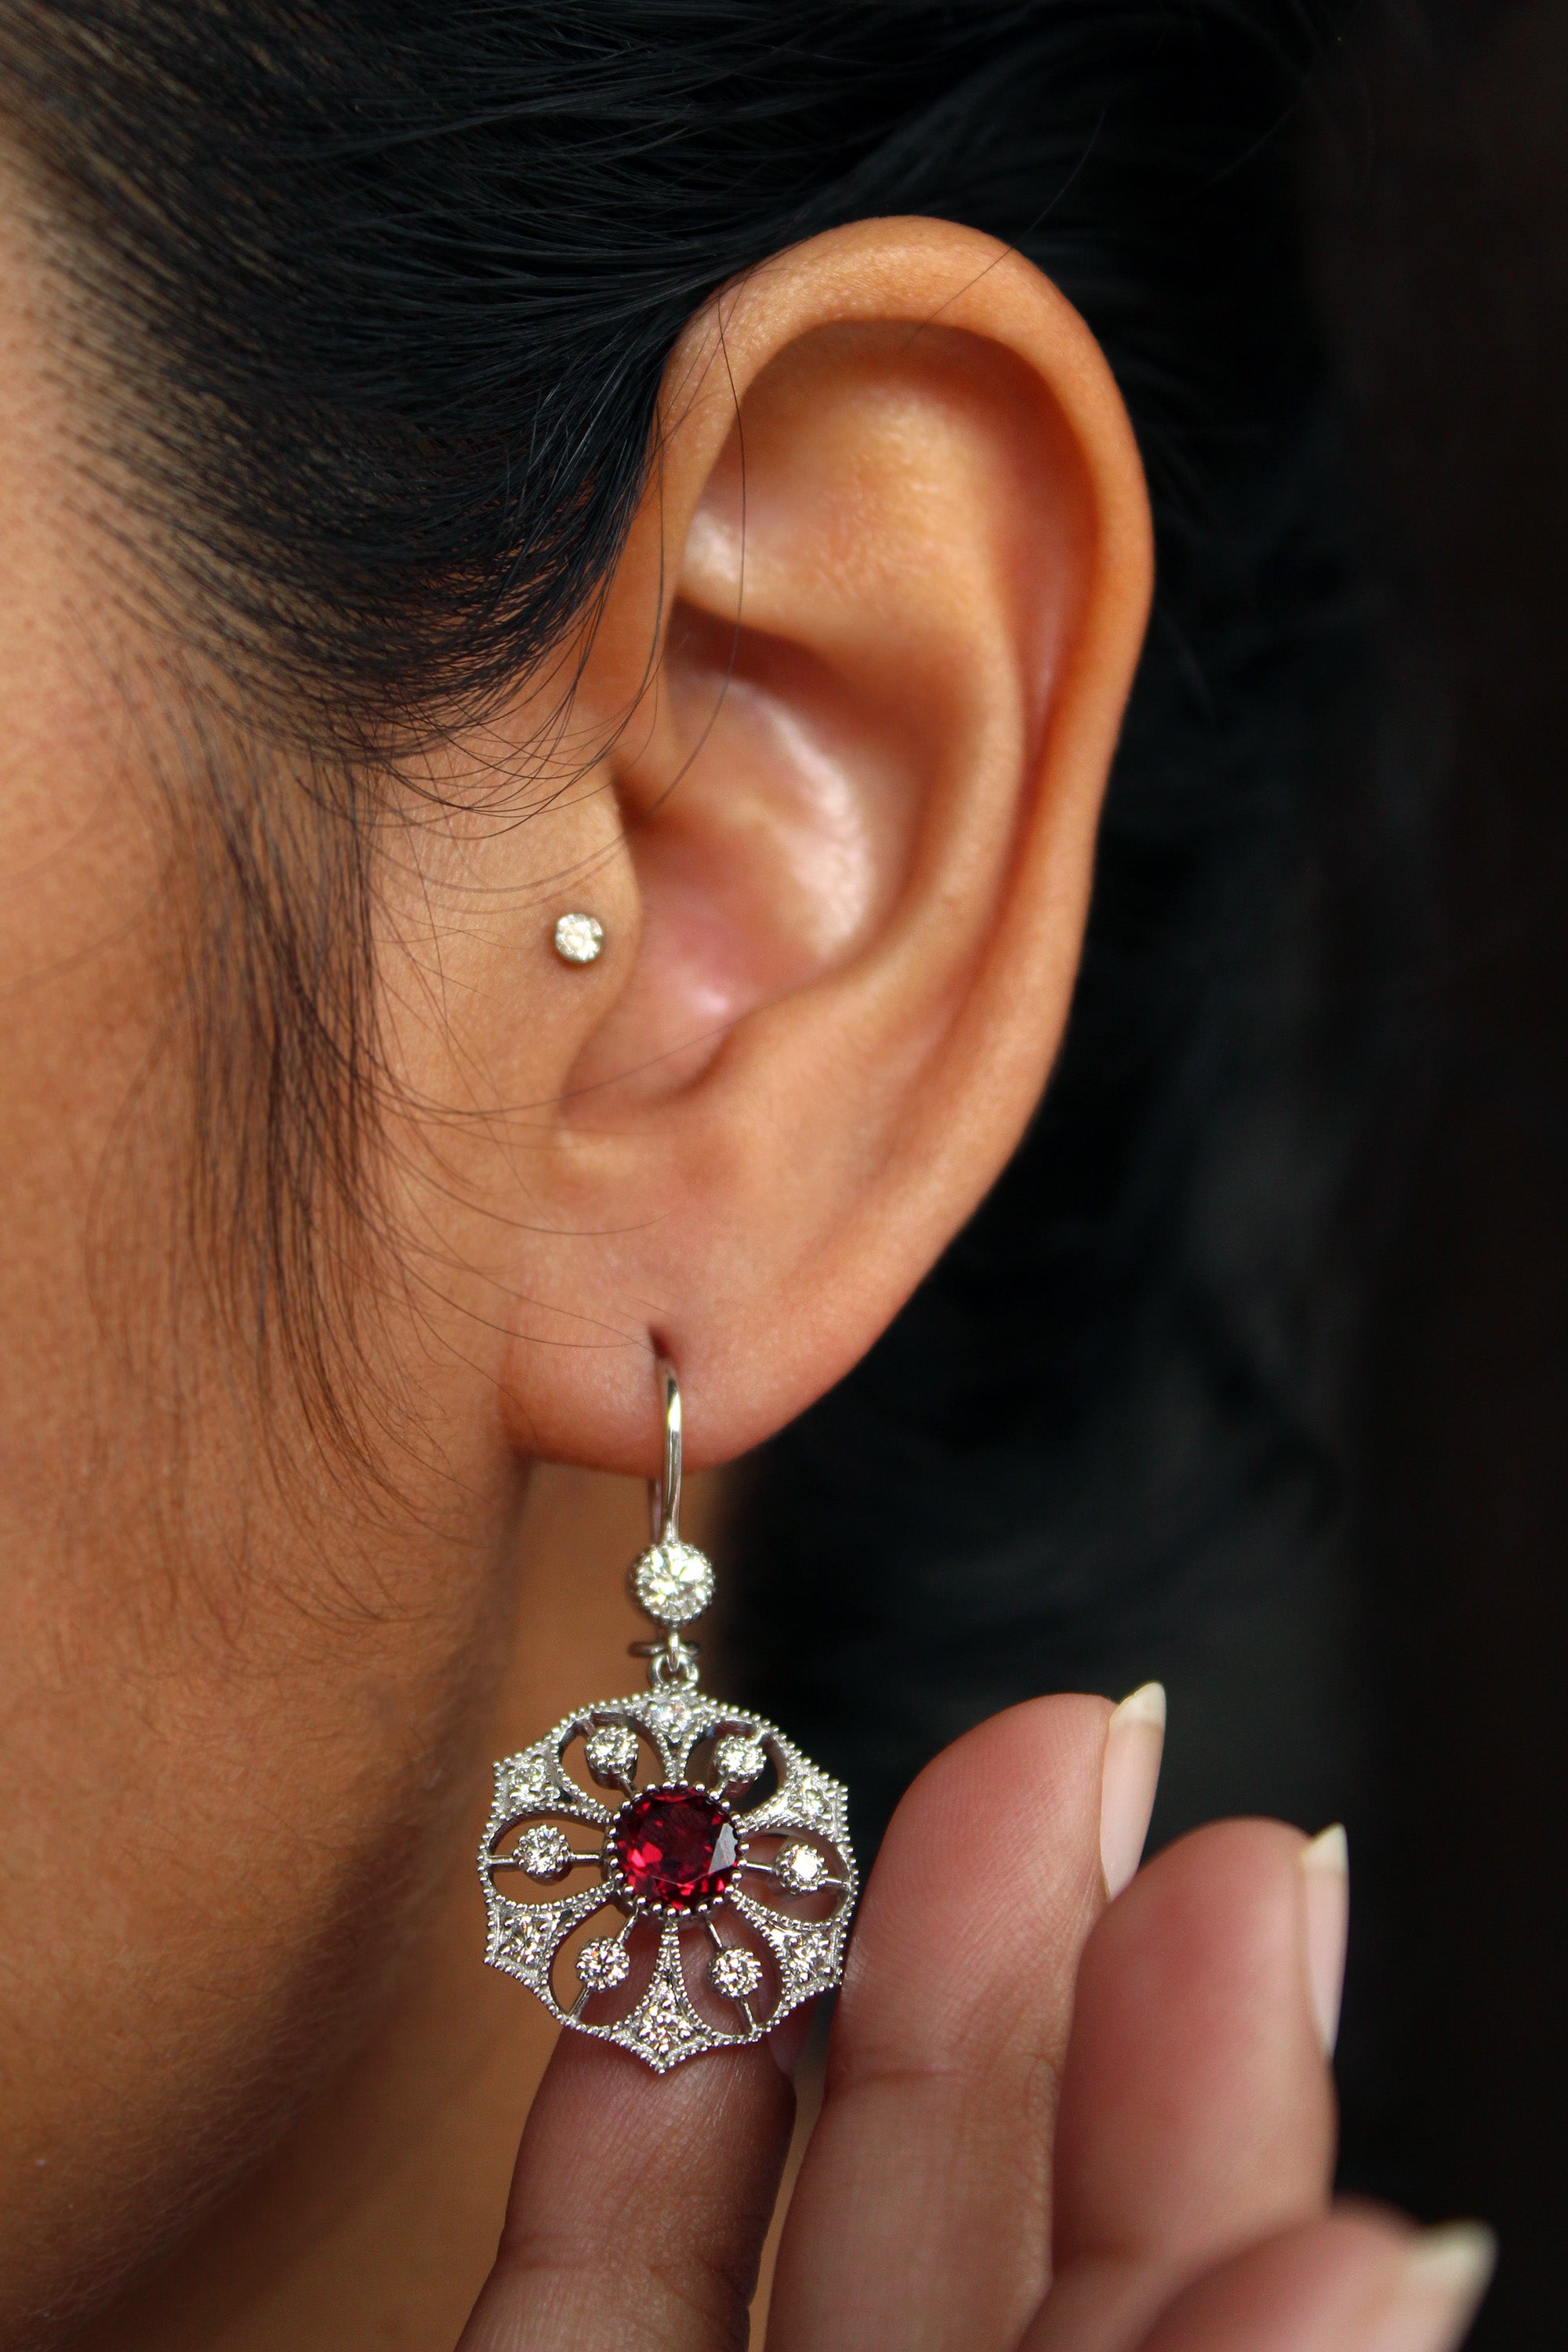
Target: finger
1350, 2283
638, 2205
1197, 2111
921, 2219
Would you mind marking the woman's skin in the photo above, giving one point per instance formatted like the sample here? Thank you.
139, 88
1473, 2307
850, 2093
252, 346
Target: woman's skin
836, 809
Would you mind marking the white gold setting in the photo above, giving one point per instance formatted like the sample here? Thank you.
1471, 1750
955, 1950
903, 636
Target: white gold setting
714, 1875
666, 2025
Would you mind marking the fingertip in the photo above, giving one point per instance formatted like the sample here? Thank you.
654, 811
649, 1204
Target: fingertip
1024, 1782
1194, 2038
1330, 2284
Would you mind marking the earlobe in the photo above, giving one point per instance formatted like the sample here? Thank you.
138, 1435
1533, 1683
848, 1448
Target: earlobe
903, 534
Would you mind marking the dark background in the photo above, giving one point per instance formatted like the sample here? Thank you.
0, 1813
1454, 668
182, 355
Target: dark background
1441, 191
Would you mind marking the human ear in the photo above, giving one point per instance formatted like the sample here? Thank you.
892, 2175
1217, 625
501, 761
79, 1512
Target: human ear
857, 685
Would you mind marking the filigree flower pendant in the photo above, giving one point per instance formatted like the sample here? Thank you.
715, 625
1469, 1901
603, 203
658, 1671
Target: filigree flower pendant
664, 1871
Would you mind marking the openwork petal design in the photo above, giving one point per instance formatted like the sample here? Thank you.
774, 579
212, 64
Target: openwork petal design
535, 1782
665, 2024
807, 1799
808, 1952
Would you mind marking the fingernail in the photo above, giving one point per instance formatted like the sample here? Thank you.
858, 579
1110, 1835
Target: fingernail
1135, 1741
1326, 1918
1446, 2272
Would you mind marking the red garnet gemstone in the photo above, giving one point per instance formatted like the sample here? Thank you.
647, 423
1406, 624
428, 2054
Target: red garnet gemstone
676, 1846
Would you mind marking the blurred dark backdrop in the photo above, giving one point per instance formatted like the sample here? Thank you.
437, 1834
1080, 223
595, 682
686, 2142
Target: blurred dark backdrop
1442, 190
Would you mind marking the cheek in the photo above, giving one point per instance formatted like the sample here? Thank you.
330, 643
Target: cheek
232, 1755
239, 1683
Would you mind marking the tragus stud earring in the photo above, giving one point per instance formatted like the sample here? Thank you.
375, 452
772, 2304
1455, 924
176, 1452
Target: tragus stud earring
579, 939
716, 1841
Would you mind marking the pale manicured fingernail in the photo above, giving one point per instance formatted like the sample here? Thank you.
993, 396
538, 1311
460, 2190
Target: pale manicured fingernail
1135, 1742
1446, 2272
1326, 1918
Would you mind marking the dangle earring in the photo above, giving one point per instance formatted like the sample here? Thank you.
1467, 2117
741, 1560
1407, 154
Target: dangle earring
714, 1879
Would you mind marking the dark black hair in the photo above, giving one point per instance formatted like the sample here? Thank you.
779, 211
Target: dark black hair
374, 301
386, 290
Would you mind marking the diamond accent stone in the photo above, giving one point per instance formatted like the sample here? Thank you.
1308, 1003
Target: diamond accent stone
738, 1759
579, 939
544, 1852
611, 1753
603, 1965
800, 1869
806, 1964
526, 1947
525, 1936
735, 1972
672, 1582
670, 1718
525, 1786
528, 1932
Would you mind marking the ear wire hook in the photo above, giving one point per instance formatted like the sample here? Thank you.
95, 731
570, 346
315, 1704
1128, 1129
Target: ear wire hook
673, 1581
664, 1492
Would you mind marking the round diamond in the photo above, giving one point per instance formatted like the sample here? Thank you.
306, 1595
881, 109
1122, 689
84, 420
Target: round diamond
735, 1972
602, 1965
738, 1759
799, 1869
676, 1848
579, 938
543, 1852
673, 1581
611, 1753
